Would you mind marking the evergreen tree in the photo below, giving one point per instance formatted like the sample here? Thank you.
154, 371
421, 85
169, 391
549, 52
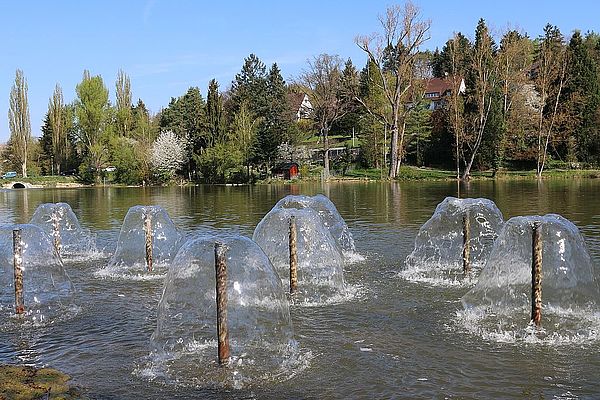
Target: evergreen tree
371, 126
250, 86
276, 119
582, 92
215, 115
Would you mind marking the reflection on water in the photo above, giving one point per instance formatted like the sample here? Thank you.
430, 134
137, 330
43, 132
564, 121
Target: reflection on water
397, 339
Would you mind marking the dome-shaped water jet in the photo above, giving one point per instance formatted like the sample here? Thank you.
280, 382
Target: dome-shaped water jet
147, 243
454, 242
33, 282
60, 223
241, 320
317, 260
539, 271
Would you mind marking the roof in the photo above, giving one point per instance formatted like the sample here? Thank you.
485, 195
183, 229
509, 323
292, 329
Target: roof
295, 100
438, 85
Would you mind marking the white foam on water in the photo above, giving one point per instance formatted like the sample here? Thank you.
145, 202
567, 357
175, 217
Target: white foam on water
560, 327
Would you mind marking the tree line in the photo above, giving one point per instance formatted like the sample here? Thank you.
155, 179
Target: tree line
510, 101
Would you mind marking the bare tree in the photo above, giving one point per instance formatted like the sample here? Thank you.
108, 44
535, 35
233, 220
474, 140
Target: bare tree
323, 83
550, 74
19, 122
394, 53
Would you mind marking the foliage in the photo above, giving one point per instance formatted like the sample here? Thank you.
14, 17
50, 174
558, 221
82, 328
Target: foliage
19, 122
169, 155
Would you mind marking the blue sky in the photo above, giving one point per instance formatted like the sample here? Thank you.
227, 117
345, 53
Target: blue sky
167, 46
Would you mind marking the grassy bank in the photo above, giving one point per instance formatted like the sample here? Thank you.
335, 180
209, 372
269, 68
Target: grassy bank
25, 383
409, 173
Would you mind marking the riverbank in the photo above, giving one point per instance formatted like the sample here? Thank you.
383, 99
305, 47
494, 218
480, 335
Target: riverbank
25, 383
407, 173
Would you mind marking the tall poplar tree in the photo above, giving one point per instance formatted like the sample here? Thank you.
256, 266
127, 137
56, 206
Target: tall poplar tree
123, 105
19, 121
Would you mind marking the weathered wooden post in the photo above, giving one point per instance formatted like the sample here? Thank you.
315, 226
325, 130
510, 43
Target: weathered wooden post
536, 274
293, 243
18, 266
56, 232
148, 240
221, 299
466, 254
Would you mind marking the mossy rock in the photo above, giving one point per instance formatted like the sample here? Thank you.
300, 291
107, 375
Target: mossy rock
24, 383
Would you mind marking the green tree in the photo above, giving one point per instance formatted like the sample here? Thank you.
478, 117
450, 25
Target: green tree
19, 122
186, 117
144, 131
275, 119
550, 75
123, 105
395, 54
418, 132
215, 114
481, 88
60, 119
250, 86
92, 110
582, 95
244, 128
323, 83
371, 126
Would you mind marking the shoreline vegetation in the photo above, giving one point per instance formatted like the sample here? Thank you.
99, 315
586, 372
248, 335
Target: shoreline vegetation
21, 382
407, 174
484, 101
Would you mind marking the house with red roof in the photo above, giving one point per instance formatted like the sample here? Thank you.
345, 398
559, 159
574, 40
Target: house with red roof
437, 89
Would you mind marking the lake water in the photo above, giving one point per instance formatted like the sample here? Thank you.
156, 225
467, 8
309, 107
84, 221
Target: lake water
394, 339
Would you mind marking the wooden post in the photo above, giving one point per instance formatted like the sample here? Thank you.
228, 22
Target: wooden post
148, 237
18, 266
56, 232
293, 243
221, 286
536, 274
466, 254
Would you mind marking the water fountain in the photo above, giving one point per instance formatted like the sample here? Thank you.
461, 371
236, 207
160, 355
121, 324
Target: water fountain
33, 283
455, 242
316, 259
538, 284
148, 242
330, 216
223, 304
60, 223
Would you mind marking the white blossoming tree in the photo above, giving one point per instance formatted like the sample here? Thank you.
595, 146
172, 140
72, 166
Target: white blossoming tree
168, 155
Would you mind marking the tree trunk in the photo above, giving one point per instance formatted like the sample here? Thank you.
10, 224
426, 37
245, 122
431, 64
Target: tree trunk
394, 152
325, 153
400, 148
24, 168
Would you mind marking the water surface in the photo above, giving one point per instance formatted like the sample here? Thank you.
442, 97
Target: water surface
396, 339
